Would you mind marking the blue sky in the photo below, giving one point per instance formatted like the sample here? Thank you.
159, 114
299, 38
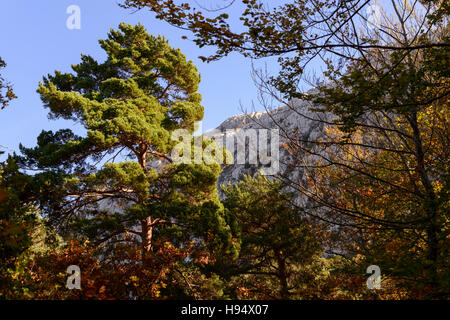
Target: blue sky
35, 41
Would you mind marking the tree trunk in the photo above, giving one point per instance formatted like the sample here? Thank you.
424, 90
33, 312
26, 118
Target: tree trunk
147, 234
432, 230
282, 275
146, 224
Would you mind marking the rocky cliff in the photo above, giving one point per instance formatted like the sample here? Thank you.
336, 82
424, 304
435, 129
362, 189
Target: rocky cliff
291, 121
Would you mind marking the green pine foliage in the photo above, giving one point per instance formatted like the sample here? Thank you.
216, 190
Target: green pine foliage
280, 254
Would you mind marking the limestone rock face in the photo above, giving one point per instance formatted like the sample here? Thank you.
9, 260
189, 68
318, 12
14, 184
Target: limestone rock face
264, 134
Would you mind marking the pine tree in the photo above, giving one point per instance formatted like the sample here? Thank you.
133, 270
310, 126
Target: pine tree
279, 251
118, 182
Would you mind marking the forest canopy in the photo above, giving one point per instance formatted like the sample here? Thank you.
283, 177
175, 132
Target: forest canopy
113, 201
